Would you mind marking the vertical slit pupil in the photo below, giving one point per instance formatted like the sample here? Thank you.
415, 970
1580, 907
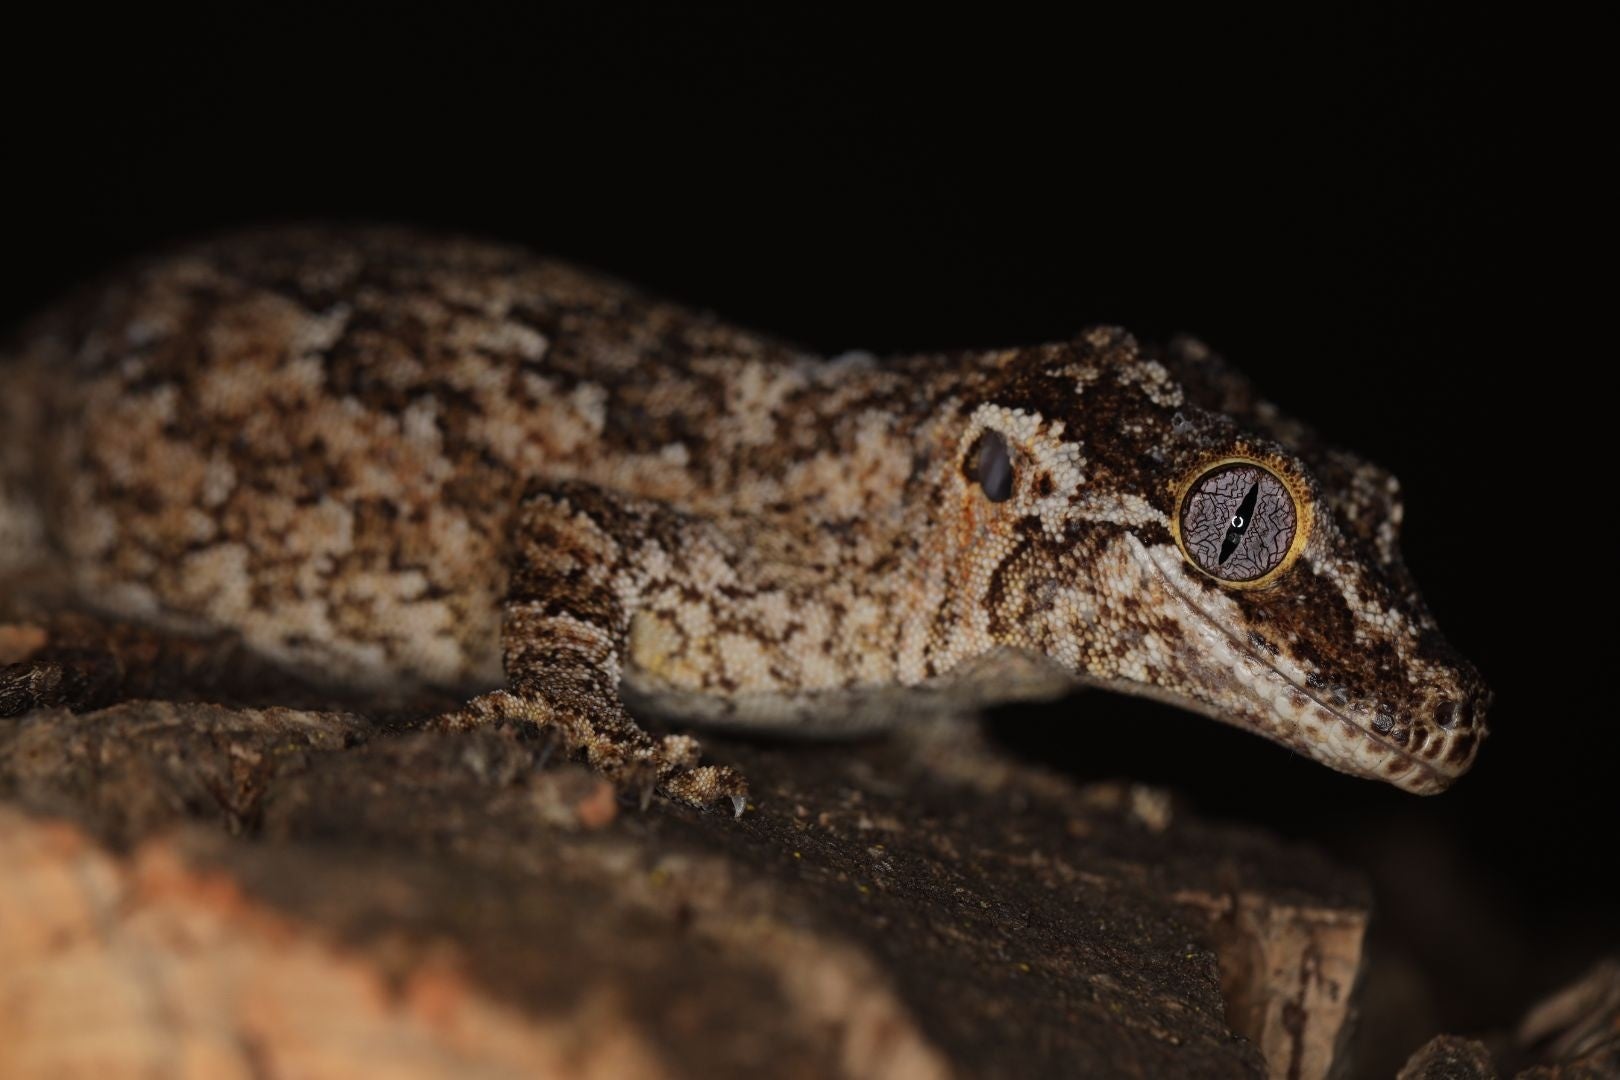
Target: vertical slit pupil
995, 467
1239, 523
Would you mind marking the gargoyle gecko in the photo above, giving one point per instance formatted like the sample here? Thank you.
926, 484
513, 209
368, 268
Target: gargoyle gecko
393, 460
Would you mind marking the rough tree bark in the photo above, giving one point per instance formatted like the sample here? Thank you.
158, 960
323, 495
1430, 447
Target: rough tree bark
223, 890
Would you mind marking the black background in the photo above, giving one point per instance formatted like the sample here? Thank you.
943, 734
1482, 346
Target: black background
1328, 202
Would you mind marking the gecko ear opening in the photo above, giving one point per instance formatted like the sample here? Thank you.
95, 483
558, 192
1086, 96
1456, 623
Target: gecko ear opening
990, 463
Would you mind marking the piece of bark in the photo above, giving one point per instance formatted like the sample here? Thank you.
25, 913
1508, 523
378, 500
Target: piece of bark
1288, 970
1571, 1034
1448, 1057
912, 907
1576, 1031
277, 890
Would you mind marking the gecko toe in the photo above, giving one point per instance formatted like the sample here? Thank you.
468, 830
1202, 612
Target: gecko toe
680, 751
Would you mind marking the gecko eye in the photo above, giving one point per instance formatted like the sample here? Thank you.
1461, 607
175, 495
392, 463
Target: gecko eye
991, 464
1238, 523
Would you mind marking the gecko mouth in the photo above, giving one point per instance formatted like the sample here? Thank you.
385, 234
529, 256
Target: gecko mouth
1293, 714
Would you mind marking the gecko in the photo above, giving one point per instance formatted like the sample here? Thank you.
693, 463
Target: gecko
390, 459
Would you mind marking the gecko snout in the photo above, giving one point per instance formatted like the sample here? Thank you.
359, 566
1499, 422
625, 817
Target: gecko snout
1447, 730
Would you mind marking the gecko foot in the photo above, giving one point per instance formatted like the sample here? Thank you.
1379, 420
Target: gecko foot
708, 784
613, 745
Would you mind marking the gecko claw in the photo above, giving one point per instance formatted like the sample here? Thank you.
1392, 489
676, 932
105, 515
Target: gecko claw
547, 747
738, 803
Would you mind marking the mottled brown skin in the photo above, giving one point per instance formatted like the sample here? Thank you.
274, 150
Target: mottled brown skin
391, 460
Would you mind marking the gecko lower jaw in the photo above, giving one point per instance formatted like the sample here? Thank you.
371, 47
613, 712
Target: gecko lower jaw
1283, 710
1330, 736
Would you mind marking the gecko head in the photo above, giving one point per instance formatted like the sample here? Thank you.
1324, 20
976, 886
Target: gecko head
1147, 522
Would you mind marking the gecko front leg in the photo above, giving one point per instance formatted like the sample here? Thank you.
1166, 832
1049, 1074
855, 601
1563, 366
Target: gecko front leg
582, 559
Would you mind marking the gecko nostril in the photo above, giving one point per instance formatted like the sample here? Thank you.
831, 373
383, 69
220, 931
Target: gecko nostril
1464, 714
1450, 714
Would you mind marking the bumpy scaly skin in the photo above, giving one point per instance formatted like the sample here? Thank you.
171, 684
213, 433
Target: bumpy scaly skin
392, 460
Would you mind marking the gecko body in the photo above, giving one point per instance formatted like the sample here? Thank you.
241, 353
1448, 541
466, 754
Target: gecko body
393, 460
